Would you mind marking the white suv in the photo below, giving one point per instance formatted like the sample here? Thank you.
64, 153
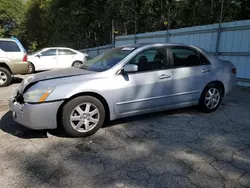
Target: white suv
13, 60
56, 57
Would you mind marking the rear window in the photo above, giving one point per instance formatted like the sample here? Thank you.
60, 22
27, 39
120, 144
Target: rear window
9, 46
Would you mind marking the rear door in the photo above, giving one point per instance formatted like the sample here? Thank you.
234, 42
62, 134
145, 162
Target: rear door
190, 72
65, 58
12, 51
47, 60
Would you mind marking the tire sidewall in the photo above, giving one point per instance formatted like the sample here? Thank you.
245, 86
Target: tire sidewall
68, 108
202, 104
33, 68
79, 62
9, 77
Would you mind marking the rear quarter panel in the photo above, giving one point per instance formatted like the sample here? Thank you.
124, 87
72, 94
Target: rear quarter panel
223, 73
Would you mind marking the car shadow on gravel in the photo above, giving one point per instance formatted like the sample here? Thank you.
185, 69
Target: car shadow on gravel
189, 110
17, 80
8, 125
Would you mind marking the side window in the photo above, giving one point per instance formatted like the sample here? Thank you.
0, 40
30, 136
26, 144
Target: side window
9, 46
51, 52
152, 59
204, 60
185, 57
65, 52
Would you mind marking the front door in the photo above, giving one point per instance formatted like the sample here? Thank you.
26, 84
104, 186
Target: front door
191, 73
47, 60
146, 89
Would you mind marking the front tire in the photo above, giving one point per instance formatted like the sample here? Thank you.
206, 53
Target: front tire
83, 116
5, 77
211, 98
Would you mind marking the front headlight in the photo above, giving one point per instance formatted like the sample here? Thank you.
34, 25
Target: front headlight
39, 95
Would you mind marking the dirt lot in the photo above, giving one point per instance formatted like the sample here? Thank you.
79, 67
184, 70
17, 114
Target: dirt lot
181, 148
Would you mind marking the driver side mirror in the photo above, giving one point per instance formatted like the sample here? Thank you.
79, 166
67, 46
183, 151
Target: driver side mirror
130, 68
39, 55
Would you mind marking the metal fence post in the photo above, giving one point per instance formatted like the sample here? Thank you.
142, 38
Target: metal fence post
218, 40
219, 30
167, 38
113, 34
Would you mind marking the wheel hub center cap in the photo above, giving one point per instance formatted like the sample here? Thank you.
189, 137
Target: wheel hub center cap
85, 116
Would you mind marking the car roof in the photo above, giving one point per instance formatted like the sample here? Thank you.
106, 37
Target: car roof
160, 44
58, 48
163, 44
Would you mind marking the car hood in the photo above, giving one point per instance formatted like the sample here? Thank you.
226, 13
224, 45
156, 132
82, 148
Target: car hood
55, 74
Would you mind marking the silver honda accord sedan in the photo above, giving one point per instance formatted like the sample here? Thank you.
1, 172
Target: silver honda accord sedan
121, 82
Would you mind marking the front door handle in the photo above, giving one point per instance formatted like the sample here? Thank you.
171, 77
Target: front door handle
205, 70
164, 76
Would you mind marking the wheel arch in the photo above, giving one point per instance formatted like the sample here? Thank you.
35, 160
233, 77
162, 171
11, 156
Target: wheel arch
92, 94
4, 65
219, 83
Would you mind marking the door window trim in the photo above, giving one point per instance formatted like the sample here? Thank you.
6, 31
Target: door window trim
49, 55
71, 52
185, 47
200, 53
167, 62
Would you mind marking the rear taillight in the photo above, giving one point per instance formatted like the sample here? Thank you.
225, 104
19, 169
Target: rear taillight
234, 70
25, 58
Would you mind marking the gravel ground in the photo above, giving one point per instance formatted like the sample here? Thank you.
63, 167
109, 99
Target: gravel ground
180, 148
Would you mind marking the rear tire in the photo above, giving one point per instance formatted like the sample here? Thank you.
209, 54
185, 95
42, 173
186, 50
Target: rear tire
77, 64
31, 68
210, 98
5, 77
83, 116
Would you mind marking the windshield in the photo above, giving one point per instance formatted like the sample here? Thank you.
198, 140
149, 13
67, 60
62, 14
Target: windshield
33, 53
107, 60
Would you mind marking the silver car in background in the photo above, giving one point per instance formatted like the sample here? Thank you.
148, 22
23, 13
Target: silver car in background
121, 82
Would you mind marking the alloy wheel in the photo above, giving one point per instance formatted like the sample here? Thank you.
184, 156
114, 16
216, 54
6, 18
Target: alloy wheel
3, 78
212, 98
30, 68
77, 65
84, 117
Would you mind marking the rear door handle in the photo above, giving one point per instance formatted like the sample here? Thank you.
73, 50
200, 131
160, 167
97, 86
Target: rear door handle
205, 70
164, 76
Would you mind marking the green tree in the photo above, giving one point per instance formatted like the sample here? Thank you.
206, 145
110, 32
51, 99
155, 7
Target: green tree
88, 23
11, 16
